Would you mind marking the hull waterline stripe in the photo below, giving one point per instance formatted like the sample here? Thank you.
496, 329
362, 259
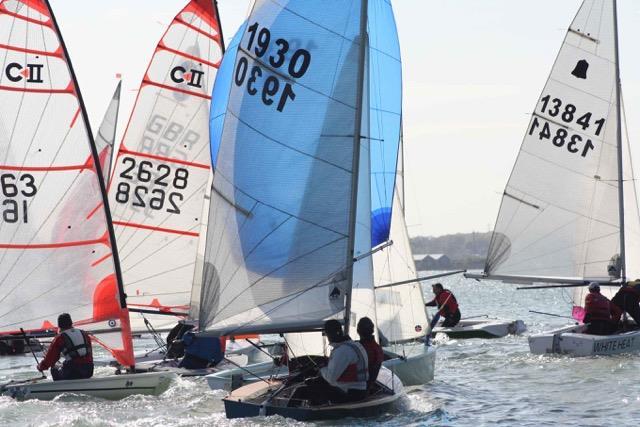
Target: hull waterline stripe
160, 229
80, 390
123, 150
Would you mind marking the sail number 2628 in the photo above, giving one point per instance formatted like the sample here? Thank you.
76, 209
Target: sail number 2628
156, 187
281, 59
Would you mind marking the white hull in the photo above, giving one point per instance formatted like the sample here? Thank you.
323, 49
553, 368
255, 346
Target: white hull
112, 387
483, 328
171, 365
236, 377
571, 341
415, 369
245, 350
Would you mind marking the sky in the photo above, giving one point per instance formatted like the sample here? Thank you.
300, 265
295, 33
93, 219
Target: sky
472, 74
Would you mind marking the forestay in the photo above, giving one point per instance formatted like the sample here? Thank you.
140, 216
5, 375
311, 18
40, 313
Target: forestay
560, 210
279, 225
106, 136
58, 249
163, 167
400, 310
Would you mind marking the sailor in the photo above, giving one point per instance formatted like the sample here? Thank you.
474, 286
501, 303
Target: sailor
375, 354
75, 346
175, 346
447, 306
601, 315
344, 379
628, 299
201, 352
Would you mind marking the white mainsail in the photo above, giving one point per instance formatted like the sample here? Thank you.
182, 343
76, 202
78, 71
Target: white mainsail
106, 136
400, 309
163, 167
560, 210
57, 245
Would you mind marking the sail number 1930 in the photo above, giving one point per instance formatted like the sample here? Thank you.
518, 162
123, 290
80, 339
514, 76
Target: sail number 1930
271, 88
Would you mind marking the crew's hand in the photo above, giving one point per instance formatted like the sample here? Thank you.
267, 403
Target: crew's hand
39, 368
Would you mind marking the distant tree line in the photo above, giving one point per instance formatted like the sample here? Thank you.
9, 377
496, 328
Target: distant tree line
465, 250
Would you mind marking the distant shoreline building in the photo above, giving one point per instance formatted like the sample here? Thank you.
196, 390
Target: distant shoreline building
432, 262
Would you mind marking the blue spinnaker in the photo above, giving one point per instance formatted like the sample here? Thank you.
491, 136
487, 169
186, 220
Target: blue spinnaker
281, 202
220, 94
385, 102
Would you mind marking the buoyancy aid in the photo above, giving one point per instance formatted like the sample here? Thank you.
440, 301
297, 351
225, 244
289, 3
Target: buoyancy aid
375, 357
447, 303
358, 371
597, 307
76, 344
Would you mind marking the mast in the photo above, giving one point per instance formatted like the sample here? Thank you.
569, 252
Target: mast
96, 160
619, 145
356, 161
215, 8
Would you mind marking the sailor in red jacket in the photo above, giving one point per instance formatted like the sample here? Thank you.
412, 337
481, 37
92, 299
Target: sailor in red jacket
628, 299
375, 354
601, 315
75, 346
447, 306
344, 379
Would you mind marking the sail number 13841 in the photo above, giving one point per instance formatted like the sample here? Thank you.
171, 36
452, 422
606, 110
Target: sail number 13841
560, 134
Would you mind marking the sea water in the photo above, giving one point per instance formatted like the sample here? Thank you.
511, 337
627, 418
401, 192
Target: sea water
477, 382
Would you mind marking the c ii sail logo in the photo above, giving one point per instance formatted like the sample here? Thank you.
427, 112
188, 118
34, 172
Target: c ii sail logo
181, 74
16, 72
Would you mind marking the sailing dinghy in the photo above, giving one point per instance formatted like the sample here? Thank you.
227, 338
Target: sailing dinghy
569, 213
286, 261
401, 318
58, 247
482, 328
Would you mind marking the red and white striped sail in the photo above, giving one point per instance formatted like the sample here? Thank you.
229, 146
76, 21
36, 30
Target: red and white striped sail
106, 136
56, 246
162, 169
